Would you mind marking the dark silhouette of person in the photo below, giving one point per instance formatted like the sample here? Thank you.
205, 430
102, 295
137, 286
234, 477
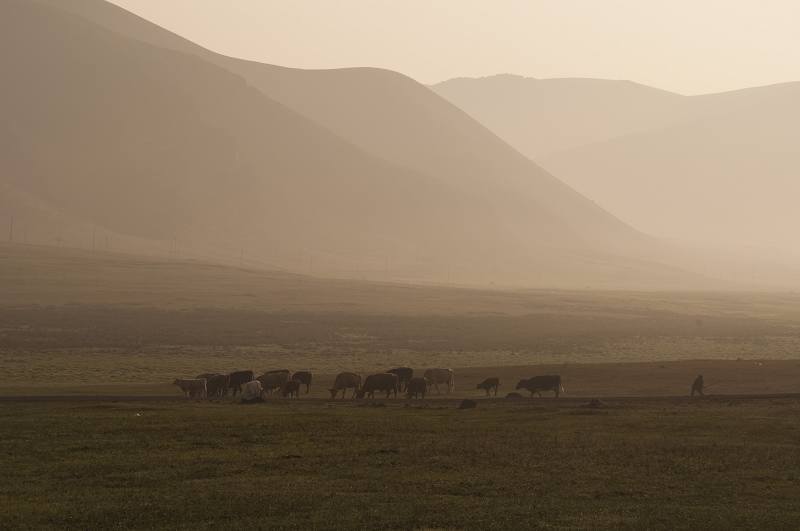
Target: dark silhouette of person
697, 386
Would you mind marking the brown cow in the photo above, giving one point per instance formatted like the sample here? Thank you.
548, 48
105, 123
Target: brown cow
488, 384
441, 376
343, 382
303, 377
416, 388
194, 388
386, 382
274, 380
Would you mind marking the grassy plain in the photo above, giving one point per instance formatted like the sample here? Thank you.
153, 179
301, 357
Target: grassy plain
703, 464
70, 317
78, 323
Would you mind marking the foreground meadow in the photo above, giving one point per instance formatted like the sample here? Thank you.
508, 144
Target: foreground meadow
699, 464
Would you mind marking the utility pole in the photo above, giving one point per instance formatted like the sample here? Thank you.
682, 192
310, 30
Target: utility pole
94, 237
241, 258
11, 230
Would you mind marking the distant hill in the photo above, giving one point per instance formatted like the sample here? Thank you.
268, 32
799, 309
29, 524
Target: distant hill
115, 124
717, 170
728, 173
542, 116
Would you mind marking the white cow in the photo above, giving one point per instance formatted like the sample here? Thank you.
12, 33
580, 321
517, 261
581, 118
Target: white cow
252, 391
441, 376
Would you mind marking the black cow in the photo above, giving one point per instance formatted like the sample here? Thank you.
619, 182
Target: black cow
386, 382
236, 379
417, 387
303, 377
217, 384
404, 375
542, 383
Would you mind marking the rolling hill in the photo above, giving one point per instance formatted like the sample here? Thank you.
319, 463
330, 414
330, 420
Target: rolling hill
717, 170
727, 175
540, 117
118, 124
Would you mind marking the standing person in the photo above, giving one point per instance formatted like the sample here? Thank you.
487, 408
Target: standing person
697, 385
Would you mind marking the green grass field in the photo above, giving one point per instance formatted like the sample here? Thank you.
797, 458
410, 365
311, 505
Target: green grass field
702, 465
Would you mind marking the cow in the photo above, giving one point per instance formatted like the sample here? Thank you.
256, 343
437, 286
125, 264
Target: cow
441, 376
542, 383
292, 387
404, 374
274, 380
416, 388
217, 385
252, 392
386, 382
193, 388
237, 378
303, 377
343, 382
488, 384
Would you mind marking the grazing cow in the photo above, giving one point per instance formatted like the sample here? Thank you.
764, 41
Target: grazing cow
303, 377
404, 374
343, 382
252, 392
542, 383
194, 388
292, 387
441, 376
416, 388
217, 385
488, 384
386, 382
274, 380
237, 378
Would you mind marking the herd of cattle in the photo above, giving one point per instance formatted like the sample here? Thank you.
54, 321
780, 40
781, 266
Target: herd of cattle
391, 382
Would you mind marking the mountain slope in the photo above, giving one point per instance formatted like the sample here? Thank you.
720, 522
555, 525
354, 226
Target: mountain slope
717, 170
730, 171
153, 143
392, 116
141, 133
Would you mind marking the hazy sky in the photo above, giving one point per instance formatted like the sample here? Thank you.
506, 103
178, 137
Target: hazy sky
689, 46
